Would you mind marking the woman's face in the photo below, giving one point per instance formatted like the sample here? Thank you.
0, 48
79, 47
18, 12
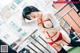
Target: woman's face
34, 15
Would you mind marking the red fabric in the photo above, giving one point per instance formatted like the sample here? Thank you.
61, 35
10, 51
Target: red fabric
58, 39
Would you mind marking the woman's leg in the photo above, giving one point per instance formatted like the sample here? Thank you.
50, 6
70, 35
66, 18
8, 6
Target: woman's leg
62, 51
74, 43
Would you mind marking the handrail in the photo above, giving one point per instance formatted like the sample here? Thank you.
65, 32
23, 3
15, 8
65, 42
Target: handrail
64, 14
61, 9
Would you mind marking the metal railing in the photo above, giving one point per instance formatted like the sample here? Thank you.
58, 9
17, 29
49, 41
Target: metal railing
36, 44
67, 13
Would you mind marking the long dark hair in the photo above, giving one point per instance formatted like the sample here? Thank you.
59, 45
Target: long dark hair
27, 10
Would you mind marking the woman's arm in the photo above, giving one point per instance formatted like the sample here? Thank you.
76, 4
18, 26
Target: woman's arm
66, 39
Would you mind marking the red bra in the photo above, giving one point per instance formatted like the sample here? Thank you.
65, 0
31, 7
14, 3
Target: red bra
41, 22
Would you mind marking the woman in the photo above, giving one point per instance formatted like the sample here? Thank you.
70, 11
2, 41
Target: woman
52, 34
